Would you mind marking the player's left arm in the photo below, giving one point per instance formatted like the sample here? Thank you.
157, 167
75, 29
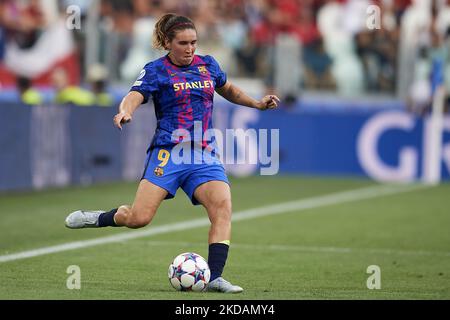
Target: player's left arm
235, 95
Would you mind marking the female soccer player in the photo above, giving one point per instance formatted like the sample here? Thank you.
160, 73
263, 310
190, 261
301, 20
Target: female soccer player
182, 86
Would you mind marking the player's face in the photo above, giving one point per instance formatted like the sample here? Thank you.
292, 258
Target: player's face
182, 47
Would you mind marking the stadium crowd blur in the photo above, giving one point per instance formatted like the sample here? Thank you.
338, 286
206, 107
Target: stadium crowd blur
404, 56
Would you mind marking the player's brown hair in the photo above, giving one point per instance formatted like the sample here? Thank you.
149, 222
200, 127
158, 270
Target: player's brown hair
167, 26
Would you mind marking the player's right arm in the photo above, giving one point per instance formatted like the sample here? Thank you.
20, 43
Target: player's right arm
127, 107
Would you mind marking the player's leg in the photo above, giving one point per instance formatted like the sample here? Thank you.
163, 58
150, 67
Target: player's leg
159, 181
215, 196
148, 199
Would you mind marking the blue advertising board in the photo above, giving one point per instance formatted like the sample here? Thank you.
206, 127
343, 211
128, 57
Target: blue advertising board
61, 145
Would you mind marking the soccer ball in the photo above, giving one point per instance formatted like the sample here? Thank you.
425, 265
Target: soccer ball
189, 272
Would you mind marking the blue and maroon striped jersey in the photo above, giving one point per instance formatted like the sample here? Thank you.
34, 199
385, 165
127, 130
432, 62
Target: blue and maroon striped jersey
181, 95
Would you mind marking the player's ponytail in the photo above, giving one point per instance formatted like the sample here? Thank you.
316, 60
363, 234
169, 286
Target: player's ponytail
167, 26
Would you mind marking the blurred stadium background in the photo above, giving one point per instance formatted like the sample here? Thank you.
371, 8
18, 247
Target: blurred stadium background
365, 100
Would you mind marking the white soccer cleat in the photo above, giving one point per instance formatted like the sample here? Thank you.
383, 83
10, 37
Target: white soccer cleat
221, 285
83, 219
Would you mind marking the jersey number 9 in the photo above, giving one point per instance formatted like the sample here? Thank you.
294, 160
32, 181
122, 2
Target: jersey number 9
163, 156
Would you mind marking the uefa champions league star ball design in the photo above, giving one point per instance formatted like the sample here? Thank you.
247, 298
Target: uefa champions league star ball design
189, 272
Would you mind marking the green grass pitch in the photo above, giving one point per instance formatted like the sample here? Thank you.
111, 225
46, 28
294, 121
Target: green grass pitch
321, 252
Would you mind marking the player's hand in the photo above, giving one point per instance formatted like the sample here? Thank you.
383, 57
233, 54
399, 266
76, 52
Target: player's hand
121, 118
268, 102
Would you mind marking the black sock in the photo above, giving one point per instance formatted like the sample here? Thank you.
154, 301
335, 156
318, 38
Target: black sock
217, 256
106, 219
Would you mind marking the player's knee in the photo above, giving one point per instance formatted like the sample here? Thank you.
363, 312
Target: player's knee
221, 210
225, 206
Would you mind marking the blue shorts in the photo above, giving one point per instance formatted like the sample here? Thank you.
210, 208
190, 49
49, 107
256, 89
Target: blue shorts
163, 168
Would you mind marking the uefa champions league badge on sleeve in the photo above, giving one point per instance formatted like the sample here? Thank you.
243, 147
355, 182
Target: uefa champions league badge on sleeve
141, 75
138, 81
